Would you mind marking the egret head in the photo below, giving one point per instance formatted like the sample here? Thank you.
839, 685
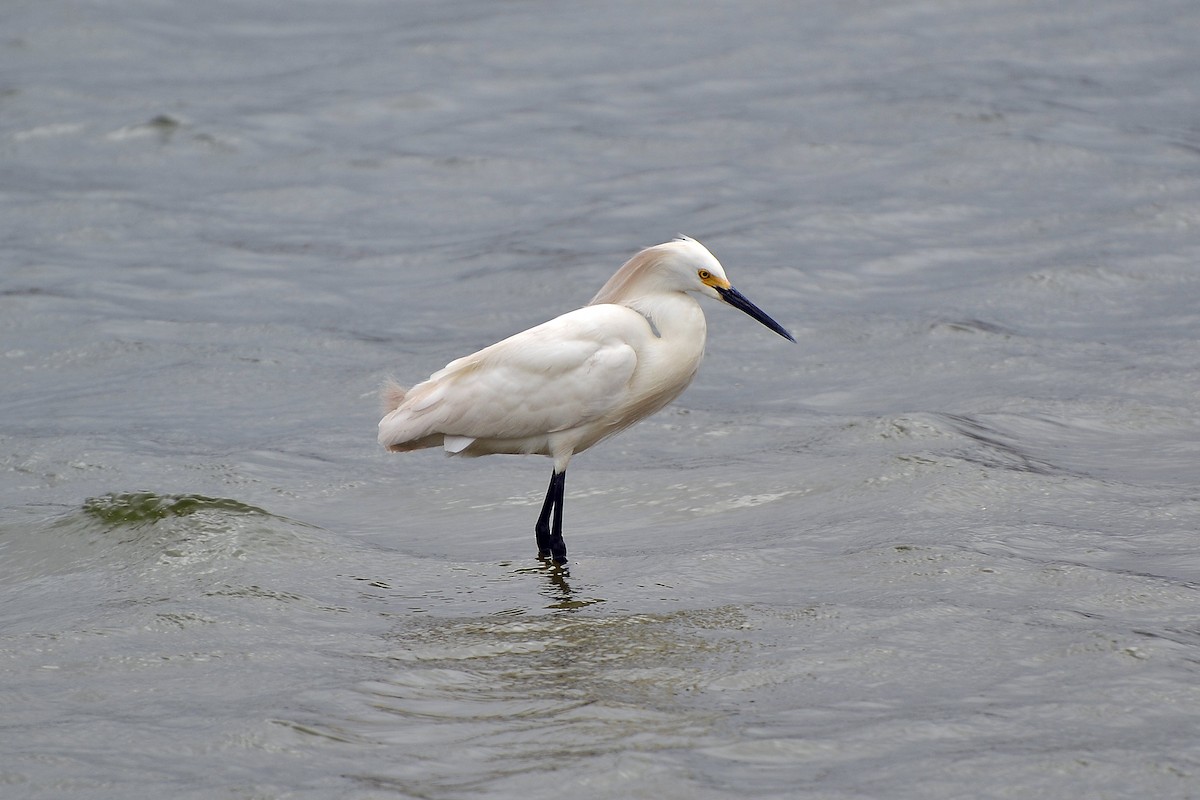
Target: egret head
681, 265
691, 267
710, 279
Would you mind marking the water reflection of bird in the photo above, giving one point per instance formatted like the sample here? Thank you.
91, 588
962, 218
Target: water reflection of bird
562, 386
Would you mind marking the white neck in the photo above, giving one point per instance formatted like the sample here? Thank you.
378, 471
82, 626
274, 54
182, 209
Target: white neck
674, 316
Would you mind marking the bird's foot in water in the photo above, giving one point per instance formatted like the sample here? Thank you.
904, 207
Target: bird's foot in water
549, 558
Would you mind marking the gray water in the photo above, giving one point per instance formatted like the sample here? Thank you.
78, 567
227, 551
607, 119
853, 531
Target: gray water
943, 547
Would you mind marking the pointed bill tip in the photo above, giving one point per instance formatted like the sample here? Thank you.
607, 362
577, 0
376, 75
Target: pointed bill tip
739, 301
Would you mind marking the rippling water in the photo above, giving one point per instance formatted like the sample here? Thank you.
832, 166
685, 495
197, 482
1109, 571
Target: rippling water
943, 547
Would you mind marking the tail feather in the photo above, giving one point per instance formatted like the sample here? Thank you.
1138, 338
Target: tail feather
395, 434
392, 395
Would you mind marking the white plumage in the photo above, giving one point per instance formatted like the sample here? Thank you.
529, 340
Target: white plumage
562, 386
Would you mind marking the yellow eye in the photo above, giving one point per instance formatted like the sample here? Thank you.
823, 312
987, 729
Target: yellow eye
705, 274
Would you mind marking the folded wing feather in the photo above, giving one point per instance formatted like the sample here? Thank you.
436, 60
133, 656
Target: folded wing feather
553, 377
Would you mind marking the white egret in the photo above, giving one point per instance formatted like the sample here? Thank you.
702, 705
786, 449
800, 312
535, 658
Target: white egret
562, 386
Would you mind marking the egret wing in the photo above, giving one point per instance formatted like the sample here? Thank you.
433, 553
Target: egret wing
563, 373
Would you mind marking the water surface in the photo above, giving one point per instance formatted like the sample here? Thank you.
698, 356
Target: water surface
943, 547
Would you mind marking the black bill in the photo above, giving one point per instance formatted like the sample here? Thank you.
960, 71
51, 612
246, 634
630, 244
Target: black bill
739, 301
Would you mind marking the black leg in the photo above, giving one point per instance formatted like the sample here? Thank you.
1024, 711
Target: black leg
542, 529
558, 547
549, 538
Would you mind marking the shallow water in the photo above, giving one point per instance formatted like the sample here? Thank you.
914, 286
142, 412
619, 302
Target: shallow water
945, 546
